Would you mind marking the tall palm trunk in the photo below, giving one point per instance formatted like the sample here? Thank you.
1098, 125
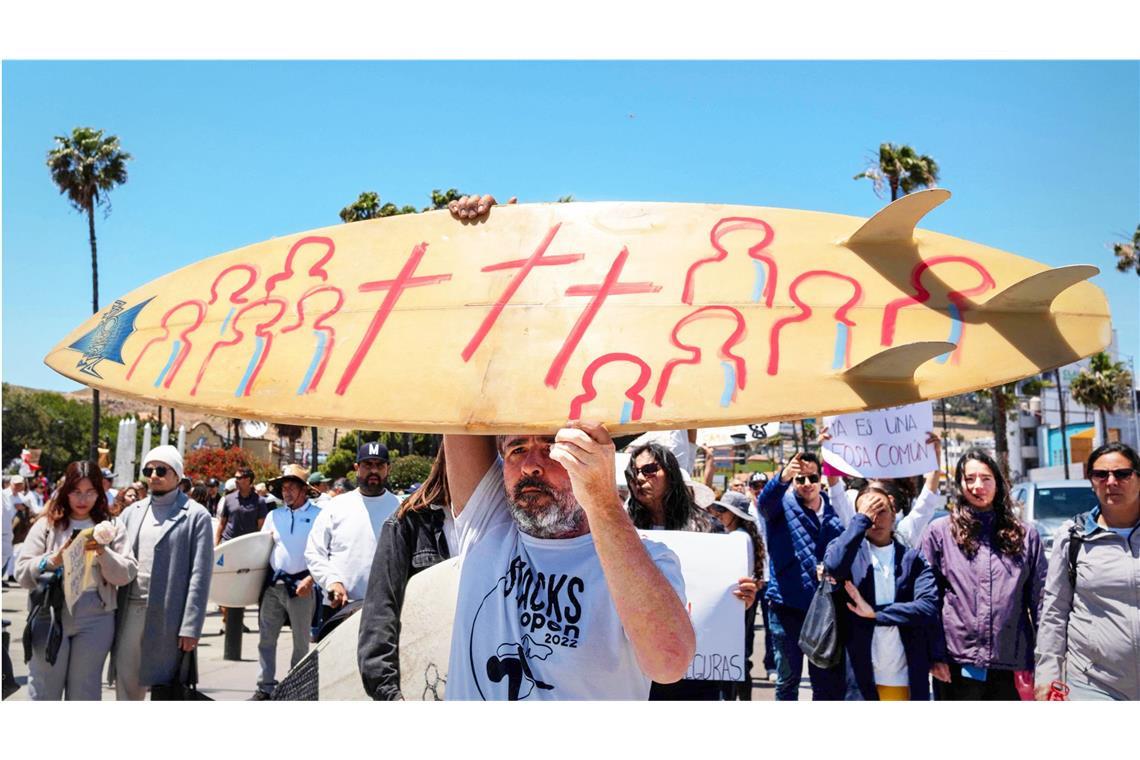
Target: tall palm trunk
1001, 445
1103, 425
94, 454
1064, 438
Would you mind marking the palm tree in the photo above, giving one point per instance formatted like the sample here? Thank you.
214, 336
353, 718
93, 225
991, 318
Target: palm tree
293, 434
1126, 253
902, 169
1104, 384
85, 167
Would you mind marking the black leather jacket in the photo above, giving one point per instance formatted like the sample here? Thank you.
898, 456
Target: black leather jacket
406, 546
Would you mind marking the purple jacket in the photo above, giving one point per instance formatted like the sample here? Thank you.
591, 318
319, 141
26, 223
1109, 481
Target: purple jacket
991, 604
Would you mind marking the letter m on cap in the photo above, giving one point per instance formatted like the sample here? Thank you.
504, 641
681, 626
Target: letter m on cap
374, 449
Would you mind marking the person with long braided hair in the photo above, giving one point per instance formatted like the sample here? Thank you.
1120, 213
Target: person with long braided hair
990, 569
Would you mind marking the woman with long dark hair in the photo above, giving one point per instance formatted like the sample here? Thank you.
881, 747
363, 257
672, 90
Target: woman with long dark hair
419, 535
77, 513
990, 568
1090, 626
659, 500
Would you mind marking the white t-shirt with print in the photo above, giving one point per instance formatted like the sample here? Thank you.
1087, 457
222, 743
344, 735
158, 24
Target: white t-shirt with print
888, 657
534, 618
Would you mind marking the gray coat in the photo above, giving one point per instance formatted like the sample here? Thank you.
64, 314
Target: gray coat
179, 585
1095, 632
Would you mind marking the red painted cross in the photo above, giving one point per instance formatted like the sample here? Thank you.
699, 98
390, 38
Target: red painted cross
536, 259
609, 287
395, 288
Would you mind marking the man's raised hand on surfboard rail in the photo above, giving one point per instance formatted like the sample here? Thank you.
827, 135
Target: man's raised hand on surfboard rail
586, 450
473, 208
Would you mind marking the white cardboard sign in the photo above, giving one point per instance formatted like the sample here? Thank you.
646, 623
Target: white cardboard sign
712, 565
884, 443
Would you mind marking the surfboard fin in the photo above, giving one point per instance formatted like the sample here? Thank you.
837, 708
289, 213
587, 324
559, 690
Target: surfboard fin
896, 222
1036, 292
897, 364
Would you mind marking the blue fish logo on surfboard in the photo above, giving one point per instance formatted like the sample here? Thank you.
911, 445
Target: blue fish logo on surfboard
105, 342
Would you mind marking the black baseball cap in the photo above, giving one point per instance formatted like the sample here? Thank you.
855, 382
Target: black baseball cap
211, 482
374, 450
757, 478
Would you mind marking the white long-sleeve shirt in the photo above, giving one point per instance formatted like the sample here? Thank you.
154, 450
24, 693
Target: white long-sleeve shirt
343, 540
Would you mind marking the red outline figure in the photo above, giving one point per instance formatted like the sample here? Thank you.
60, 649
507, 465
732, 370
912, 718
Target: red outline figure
260, 330
719, 230
922, 295
536, 259
724, 352
633, 393
316, 270
609, 286
236, 296
183, 351
395, 288
319, 325
806, 312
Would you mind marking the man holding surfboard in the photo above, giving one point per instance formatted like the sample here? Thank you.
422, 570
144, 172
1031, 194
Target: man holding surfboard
559, 597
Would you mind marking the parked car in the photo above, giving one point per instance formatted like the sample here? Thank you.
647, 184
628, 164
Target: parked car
1049, 503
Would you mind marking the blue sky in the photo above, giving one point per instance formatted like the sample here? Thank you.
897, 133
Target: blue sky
1043, 158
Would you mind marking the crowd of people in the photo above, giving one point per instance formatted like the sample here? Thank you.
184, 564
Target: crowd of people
970, 606
564, 593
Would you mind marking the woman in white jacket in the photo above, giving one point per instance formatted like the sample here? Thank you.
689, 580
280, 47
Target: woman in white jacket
74, 669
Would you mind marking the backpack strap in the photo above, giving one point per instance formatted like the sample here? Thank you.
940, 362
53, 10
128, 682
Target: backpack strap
1076, 538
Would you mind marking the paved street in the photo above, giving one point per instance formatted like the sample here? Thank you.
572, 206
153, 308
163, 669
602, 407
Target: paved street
218, 678
226, 680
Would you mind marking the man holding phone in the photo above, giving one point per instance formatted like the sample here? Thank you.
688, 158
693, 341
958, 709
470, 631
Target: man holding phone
798, 522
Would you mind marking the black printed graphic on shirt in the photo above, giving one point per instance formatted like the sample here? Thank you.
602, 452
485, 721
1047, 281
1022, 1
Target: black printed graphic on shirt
549, 609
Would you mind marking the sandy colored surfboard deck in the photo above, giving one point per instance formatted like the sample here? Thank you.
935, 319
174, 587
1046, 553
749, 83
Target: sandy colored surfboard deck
425, 631
240, 568
642, 315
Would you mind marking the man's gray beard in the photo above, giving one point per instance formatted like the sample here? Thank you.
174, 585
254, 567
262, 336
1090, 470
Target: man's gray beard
560, 518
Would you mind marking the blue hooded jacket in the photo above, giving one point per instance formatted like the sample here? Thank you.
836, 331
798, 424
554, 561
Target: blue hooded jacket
914, 611
796, 539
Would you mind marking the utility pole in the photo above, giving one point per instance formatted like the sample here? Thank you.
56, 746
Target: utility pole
1064, 440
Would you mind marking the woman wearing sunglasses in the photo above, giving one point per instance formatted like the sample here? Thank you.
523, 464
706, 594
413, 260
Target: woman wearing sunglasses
70, 666
659, 500
990, 569
1090, 622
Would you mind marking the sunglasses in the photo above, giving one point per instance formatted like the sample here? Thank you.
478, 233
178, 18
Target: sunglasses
648, 470
801, 479
1123, 473
160, 471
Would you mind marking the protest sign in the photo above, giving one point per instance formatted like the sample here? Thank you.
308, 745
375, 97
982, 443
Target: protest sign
884, 443
712, 564
76, 568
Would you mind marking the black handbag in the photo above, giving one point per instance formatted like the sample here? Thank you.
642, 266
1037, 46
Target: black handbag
184, 687
43, 630
819, 637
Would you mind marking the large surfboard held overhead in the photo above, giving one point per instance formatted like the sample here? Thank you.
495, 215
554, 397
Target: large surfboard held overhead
642, 315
